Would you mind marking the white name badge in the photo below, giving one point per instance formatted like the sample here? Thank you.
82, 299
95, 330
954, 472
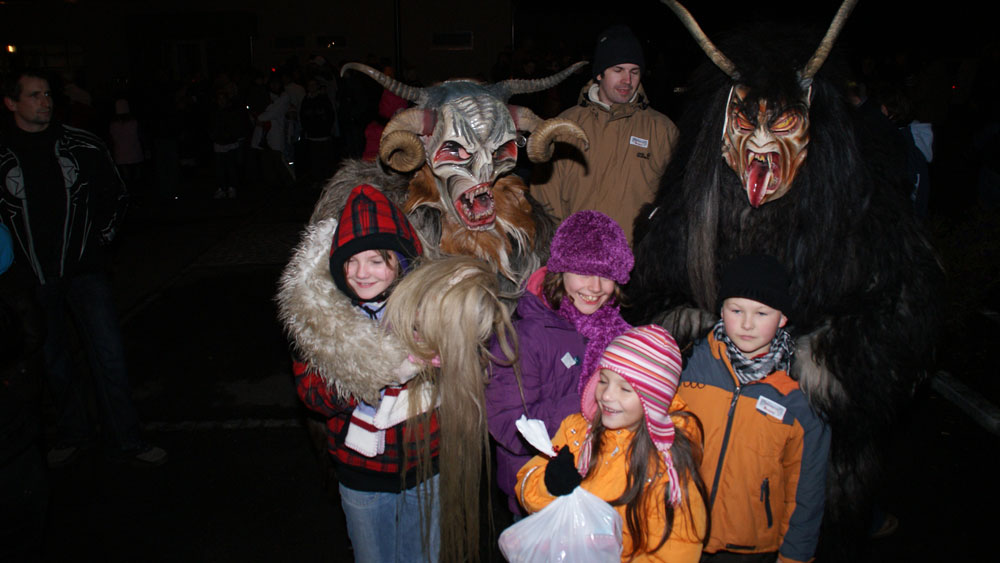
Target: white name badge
568, 360
769, 407
642, 143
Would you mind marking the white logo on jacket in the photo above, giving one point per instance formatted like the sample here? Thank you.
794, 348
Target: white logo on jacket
638, 141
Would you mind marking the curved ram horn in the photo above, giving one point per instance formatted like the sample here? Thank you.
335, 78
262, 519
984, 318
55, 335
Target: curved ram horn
504, 90
410, 93
400, 146
402, 151
524, 118
823, 51
541, 143
545, 133
418, 121
703, 41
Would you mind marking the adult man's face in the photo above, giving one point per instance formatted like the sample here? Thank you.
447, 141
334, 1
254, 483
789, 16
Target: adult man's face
618, 83
33, 108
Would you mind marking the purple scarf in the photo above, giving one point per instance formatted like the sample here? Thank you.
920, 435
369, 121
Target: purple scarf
599, 329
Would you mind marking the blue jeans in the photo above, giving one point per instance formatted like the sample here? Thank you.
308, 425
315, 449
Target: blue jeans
385, 527
88, 299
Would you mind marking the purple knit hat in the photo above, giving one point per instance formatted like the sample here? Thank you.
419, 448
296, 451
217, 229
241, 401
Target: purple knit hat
590, 243
648, 358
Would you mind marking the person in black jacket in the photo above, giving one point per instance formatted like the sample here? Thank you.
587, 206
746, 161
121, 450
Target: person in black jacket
62, 201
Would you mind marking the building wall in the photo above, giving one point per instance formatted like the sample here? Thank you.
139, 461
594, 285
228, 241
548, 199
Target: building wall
370, 34
111, 39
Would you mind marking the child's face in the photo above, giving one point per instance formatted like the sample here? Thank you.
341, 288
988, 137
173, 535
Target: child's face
619, 403
589, 293
369, 274
751, 325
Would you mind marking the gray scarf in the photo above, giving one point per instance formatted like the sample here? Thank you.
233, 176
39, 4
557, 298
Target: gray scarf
752, 369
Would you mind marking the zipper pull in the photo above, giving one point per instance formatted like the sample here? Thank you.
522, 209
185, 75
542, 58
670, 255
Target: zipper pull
765, 490
765, 497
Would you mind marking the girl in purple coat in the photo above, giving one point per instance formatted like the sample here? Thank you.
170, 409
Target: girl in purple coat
565, 319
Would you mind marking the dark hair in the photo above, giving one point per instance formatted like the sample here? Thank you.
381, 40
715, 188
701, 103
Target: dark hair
554, 291
897, 104
12, 86
641, 452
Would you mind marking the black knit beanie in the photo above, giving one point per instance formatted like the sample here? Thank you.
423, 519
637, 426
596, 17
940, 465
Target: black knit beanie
758, 277
617, 45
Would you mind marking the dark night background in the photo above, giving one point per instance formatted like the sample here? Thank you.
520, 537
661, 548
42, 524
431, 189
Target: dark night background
195, 276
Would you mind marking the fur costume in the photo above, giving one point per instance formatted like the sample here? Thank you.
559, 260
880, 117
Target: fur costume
446, 164
863, 278
494, 219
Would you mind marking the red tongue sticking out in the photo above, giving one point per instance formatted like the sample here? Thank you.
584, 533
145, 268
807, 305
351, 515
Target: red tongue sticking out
757, 181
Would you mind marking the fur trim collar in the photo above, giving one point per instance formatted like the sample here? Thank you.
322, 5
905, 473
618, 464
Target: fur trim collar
331, 335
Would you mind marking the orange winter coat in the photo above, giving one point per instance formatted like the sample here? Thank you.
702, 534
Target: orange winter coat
764, 460
608, 483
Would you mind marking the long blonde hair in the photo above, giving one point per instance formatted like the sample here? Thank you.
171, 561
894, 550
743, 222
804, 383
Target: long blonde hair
448, 309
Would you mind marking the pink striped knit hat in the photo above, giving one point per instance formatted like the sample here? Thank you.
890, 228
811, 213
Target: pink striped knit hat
648, 358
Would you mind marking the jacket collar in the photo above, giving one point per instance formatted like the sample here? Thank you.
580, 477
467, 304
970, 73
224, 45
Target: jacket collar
780, 379
639, 102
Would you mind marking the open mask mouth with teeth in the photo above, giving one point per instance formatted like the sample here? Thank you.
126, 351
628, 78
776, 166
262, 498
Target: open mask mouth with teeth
765, 143
761, 175
475, 207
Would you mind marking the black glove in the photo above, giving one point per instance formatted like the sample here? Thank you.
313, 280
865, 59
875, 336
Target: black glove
561, 476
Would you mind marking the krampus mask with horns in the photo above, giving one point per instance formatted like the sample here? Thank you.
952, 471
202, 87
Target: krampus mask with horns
468, 136
453, 150
863, 279
765, 141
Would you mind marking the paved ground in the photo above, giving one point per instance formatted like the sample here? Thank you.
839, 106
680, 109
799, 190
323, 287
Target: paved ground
209, 365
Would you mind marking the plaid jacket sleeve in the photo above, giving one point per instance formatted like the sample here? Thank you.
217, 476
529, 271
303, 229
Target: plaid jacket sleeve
315, 393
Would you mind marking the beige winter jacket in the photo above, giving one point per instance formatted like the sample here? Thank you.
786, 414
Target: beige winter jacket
630, 146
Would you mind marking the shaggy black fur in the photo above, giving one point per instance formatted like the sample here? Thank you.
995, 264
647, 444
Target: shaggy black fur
864, 278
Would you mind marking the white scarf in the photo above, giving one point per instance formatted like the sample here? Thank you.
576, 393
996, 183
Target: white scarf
366, 433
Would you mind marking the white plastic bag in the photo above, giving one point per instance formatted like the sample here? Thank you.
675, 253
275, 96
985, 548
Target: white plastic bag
574, 528
534, 431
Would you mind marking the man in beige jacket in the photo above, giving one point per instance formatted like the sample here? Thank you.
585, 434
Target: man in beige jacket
630, 143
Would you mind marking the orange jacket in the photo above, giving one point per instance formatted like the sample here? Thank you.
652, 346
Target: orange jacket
764, 459
608, 483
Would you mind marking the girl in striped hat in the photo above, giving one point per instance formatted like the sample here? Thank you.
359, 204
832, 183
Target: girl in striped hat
624, 448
